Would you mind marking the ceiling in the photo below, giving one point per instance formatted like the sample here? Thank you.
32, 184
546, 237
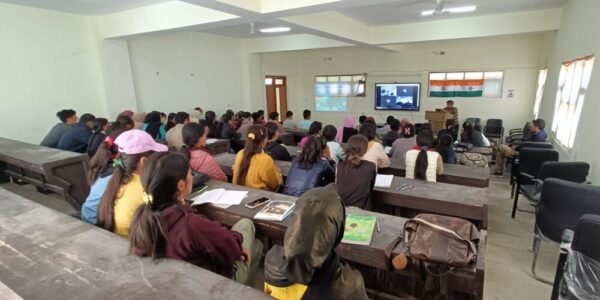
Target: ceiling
408, 11
243, 30
86, 7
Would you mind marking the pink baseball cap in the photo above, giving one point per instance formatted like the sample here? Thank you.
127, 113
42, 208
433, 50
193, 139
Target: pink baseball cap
137, 141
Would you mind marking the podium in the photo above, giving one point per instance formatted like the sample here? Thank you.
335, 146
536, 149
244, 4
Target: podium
437, 119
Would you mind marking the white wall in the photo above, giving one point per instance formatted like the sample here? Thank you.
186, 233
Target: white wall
180, 71
578, 36
49, 62
517, 56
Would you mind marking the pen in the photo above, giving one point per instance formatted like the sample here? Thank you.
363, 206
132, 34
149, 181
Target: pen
406, 187
400, 186
377, 223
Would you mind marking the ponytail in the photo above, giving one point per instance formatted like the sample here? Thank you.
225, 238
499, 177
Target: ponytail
256, 135
103, 157
425, 141
355, 150
190, 133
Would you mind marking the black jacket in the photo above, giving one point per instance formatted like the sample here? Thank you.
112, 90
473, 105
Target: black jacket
94, 143
277, 152
300, 180
75, 139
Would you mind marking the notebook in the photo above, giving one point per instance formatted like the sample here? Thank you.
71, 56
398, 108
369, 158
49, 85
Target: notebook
276, 210
383, 181
220, 197
211, 141
359, 229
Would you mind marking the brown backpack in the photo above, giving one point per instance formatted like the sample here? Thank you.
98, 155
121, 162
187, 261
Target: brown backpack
473, 159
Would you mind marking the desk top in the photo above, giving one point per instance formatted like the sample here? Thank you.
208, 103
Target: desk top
35, 154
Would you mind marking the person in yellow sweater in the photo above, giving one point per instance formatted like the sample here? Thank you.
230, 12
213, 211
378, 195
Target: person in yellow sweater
124, 192
253, 167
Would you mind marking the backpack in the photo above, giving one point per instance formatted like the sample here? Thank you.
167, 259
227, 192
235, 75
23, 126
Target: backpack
473, 159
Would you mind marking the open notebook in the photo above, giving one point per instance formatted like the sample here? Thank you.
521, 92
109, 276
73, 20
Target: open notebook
383, 181
220, 197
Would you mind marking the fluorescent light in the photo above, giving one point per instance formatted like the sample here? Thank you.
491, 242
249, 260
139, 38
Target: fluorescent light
274, 29
453, 10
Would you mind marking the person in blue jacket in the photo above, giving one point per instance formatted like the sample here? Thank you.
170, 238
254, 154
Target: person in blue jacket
76, 138
313, 168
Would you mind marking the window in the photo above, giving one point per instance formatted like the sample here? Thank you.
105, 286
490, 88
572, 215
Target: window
466, 84
340, 85
539, 92
573, 81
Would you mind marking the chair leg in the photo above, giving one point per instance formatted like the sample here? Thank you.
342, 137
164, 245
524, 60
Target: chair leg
536, 251
514, 210
560, 268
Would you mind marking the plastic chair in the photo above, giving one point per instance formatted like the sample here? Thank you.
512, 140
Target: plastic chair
530, 163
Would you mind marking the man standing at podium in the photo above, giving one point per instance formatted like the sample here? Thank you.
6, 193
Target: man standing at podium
453, 110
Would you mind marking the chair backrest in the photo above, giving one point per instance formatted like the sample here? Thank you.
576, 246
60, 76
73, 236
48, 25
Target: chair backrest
587, 236
531, 159
494, 123
569, 171
541, 145
474, 121
562, 203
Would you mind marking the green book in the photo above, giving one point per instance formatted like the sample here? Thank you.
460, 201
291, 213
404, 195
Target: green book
359, 229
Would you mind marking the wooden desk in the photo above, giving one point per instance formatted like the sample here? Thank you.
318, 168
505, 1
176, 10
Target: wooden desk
287, 139
218, 147
59, 171
50, 255
481, 150
432, 197
226, 161
298, 134
293, 150
453, 173
372, 258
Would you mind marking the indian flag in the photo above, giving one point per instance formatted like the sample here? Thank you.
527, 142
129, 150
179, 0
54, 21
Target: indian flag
456, 88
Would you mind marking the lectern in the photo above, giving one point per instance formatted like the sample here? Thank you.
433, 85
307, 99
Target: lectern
437, 119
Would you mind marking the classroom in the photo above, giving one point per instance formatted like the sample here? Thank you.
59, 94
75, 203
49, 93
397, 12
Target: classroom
299, 149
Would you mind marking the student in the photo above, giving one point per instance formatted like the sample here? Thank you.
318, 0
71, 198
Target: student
228, 131
126, 113
289, 123
261, 117
347, 130
306, 266
174, 137
312, 168
375, 152
254, 168
154, 127
163, 118
138, 119
330, 133
170, 121
210, 121
68, 118
449, 130
76, 137
99, 129
407, 142
274, 118
471, 136
122, 123
486, 141
194, 149
316, 127
305, 124
165, 226
245, 122
444, 148
100, 170
196, 115
123, 194
391, 136
355, 177
385, 129
424, 163
273, 148
537, 134
361, 121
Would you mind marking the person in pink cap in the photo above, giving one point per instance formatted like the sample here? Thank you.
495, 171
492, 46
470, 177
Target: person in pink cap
124, 193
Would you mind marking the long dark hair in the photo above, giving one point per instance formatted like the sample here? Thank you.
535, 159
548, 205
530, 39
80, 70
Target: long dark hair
315, 127
160, 176
468, 127
153, 121
312, 151
190, 133
121, 176
98, 124
256, 135
425, 141
123, 122
355, 150
368, 130
100, 162
443, 147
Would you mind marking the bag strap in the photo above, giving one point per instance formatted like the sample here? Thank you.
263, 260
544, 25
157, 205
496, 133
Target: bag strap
448, 231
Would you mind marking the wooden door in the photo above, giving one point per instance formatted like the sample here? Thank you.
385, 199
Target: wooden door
276, 87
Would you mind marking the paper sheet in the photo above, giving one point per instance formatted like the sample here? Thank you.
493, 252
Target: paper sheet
211, 141
221, 197
384, 181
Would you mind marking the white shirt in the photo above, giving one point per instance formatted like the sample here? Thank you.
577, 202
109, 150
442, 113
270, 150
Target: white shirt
432, 159
337, 153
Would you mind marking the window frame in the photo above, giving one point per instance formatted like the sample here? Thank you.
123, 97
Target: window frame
339, 82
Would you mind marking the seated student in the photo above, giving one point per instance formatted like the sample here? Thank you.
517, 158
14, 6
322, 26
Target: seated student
536, 133
154, 127
289, 122
174, 137
316, 127
99, 129
261, 117
253, 167
194, 149
312, 168
355, 177
170, 122
385, 129
305, 124
486, 141
274, 118
337, 153
347, 130
210, 120
68, 118
165, 226
228, 132
444, 148
424, 163
76, 137
391, 136
256, 118
361, 121
407, 142
123, 194
273, 148
471, 136
122, 123
375, 152
138, 119
100, 170
245, 122
450, 130
306, 266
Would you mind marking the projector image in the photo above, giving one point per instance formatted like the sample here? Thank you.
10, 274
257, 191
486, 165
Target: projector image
404, 100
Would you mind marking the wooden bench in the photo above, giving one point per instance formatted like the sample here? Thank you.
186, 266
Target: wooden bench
219, 146
59, 171
298, 134
49, 255
374, 258
287, 139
